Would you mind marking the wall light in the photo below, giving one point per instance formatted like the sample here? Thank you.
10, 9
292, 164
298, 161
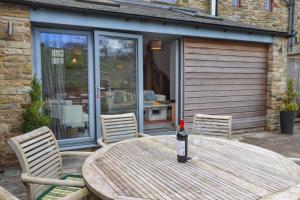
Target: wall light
74, 60
10, 28
76, 53
156, 45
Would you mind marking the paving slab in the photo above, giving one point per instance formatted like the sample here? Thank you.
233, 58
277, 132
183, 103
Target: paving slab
286, 145
10, 178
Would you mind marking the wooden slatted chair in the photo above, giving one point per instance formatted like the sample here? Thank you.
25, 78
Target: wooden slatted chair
212, 125
5, 195
41, 163
116, 128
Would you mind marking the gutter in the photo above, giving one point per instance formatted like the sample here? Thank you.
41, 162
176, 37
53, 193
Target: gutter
143, 17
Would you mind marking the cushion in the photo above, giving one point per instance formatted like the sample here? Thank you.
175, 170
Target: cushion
148, 103
57, 192
149, 95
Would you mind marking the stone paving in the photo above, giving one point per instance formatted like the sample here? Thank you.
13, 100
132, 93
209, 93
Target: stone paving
287, 145
10, 179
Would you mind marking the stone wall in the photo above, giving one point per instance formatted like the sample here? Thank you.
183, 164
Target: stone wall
250, 11
254, 12
202, 5
277, 69
15, 74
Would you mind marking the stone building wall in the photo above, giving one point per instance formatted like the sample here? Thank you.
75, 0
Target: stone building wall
276, 80
202, 5
15, 74
254, 12
250, 11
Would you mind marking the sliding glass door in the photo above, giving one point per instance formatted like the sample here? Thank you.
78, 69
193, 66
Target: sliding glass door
118, 74
64, 66
81, 80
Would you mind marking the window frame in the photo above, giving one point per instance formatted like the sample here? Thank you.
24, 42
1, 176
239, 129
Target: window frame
236, 3
269, 5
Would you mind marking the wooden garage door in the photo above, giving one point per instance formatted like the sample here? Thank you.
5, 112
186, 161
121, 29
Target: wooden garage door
226, 78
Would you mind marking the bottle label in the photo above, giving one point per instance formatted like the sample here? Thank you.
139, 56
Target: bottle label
180, 147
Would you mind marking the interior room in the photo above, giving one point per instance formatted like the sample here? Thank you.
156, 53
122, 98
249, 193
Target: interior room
160, 64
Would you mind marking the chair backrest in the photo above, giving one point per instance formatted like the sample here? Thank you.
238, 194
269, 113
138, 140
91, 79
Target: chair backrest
5, 195
212, 125
116, 128
39, 156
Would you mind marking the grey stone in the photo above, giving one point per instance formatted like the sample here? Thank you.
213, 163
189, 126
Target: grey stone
4, 128
10, 106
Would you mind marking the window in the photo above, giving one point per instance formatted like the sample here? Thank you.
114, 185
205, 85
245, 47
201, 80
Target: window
236, 3
269, 5
64, 67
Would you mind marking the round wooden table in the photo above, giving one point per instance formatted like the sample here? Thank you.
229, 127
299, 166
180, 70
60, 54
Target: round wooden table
146, 168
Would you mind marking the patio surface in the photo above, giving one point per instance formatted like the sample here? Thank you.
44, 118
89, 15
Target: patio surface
10, 179
287, 145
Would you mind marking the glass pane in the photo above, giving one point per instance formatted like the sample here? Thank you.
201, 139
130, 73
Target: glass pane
236, 3
65, 83
268, 5
117, 74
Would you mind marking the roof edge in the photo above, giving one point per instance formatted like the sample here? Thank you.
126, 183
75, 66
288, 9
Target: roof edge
198, 25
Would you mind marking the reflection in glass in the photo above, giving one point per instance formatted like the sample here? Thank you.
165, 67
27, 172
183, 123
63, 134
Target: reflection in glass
117, 74
65, 83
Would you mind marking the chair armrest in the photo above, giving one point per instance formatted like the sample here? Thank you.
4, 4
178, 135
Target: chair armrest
48, 181
77, 195
142, 135
101, 143
75, 153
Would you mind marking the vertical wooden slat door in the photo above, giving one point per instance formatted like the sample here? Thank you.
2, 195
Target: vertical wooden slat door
226, 78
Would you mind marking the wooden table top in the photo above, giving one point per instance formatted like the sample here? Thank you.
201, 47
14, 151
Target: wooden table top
146, 168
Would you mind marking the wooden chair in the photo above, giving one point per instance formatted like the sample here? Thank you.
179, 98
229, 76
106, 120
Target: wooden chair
41, 163
212, 125
116, 128
5, 195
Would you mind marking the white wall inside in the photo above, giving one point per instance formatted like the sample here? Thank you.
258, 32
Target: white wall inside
166, 60
162, 58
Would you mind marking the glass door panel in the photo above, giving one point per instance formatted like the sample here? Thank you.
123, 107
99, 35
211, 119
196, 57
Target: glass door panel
119, 78
65, 80
118, 63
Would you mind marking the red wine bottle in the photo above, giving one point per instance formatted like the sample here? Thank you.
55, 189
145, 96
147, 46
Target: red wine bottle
182, 143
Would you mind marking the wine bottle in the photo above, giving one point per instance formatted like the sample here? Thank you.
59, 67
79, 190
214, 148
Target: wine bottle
182, 143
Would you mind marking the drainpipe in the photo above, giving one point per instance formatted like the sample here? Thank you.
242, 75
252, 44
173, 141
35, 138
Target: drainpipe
213, 7
291, 28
